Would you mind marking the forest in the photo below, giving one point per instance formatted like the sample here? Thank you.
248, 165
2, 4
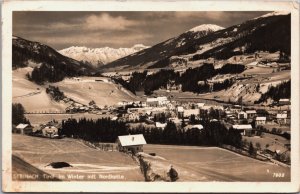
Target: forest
189, 80
106, 130
18, 112
282, 90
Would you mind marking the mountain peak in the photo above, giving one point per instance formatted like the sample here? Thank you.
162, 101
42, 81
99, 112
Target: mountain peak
206, 27
275, 13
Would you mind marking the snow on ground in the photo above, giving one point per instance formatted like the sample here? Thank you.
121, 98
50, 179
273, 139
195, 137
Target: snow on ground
275, 13
97, 56
103, 93
32, 96
206, 27
35, 99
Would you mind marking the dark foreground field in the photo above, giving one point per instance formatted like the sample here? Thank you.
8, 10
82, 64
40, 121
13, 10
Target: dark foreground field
32, 155
215, 164
88, 164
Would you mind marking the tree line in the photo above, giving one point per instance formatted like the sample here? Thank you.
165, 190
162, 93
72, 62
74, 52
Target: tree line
282, 90
189, 80
18, 116
106, 130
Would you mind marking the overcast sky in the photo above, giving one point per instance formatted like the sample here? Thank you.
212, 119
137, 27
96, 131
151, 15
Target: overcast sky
115, 29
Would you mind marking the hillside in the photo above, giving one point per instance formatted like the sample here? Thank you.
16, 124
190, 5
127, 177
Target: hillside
48, 64
162, 51
99, 56
270, 32
35, 99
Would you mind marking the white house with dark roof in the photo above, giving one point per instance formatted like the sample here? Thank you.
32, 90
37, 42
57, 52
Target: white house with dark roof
131, 143
281, 118
284, 101
251, 114
260, 121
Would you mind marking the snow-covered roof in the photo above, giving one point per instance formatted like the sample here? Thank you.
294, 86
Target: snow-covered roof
180, 109
284, 100
160, 125
261, 118
194, 127
242, 126
242, 112
281, 116
251, 111
130, 140
21, 126
162, 98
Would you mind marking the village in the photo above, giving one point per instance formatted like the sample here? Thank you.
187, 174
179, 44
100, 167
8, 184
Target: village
268, 131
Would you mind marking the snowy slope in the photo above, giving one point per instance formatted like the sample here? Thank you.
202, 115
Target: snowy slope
99, 56
206, 27
164, 50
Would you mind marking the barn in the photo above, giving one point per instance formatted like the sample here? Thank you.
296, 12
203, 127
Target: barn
23, 129
131, 143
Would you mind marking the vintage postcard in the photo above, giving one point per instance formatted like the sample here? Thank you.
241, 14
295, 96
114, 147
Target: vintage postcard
150, 96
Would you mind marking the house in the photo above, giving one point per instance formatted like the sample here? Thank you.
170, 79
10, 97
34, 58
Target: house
281, 118
284, 102
179, 111
251, 114
50, 131
131, 143
24, 129
200, 127
260, 121
160, 125
244, 129
159, 101
190, 112
242, 115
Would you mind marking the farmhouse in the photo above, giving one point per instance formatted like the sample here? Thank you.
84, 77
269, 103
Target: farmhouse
50, 131
131, 143
160, 125
281, 118
23, 129
179, 111
200, 127
251, 114
245, 129
260, 121
284, 101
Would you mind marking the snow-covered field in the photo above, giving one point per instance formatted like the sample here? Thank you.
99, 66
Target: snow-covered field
35, 99
32, 96
85, 161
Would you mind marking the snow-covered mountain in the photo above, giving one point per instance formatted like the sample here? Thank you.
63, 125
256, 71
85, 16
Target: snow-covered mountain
270, 32
206, 27
99, 56
48, 64
163, 50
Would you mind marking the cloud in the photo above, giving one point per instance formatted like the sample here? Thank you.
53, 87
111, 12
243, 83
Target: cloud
106, 22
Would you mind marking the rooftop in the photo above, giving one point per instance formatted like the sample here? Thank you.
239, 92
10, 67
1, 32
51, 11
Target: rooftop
130, 140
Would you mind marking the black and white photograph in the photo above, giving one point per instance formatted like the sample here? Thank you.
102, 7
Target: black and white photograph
152, 96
